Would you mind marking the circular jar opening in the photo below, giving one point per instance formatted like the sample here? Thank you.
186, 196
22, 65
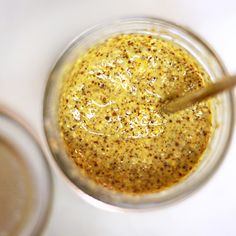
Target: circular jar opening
25, 179
222, 108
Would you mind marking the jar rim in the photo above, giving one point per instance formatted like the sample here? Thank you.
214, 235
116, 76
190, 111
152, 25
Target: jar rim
17, 125
101, 194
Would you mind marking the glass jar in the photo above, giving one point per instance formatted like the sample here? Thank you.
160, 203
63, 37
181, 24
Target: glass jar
25, 179
223, 114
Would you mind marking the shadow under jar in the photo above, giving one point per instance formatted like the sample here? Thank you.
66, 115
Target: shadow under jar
221, 117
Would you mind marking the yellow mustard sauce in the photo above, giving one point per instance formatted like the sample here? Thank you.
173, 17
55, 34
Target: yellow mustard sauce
110, 120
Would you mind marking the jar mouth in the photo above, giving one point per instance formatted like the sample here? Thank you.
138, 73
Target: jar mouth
170, 31
19, 141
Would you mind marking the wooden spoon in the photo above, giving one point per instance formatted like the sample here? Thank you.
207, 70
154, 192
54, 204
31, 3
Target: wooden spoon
197, 96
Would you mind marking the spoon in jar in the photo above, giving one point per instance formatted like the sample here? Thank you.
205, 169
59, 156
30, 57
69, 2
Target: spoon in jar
197, 96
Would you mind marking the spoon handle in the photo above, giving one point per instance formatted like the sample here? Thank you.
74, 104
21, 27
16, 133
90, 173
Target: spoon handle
197, 96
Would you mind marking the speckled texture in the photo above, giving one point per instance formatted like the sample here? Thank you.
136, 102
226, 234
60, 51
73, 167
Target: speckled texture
110, 120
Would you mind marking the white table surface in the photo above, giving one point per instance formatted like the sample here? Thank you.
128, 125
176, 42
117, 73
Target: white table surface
33, 33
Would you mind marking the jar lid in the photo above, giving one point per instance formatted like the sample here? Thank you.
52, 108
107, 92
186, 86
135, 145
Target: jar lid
25, 179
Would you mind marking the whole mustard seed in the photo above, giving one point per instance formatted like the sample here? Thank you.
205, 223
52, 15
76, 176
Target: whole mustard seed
109, 114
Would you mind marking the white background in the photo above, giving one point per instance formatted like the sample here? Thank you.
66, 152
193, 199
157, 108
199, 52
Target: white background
33, 33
